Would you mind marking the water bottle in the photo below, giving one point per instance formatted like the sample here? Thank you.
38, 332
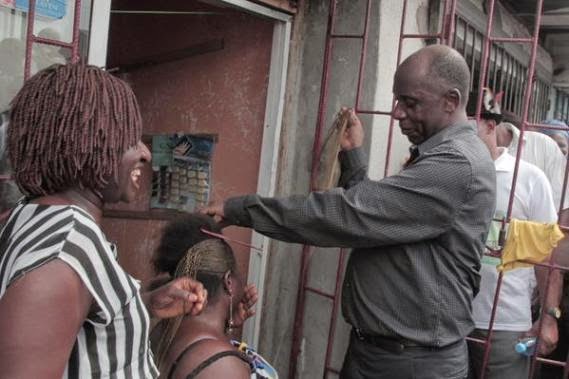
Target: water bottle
526, 346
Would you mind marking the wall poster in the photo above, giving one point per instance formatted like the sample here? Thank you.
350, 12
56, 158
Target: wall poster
181, 171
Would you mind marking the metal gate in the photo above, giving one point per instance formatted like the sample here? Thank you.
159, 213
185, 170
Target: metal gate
535, 95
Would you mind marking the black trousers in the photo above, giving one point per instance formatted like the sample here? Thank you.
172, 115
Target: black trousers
367, 361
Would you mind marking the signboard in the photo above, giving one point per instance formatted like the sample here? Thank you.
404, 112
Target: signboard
8, 3
48, 8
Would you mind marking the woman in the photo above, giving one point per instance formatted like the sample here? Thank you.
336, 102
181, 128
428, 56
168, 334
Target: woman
201, 346
67, 309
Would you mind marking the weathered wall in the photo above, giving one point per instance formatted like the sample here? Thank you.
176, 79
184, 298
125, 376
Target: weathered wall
302, 97
221, 92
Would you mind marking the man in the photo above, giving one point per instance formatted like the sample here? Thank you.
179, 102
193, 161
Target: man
418, 235
538, 149
533, 201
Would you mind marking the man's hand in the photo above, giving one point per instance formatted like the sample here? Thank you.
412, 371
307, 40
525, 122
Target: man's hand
549, 335
245, 308
177, 297
353, 135
215, 210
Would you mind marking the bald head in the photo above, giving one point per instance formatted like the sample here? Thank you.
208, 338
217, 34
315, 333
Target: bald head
440, 66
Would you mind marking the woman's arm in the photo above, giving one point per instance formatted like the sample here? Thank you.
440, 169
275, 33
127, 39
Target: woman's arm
40, 316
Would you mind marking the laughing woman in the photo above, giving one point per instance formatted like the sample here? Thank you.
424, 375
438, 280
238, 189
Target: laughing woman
67, 309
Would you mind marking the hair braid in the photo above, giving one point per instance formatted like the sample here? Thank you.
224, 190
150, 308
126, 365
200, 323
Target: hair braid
69, 126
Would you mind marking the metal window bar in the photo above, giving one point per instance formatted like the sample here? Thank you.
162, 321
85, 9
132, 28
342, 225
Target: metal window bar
446, 35
505, 73
31, 39
509, 73
530, 101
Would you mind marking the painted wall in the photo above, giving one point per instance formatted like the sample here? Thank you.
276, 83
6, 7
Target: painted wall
221, 92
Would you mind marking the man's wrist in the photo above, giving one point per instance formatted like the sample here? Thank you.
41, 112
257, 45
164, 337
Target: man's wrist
235, 210
553, 313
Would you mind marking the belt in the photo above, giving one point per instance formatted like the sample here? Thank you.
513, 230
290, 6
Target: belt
391, 344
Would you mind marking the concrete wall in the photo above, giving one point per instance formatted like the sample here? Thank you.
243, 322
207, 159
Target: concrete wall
303, 93
220, 92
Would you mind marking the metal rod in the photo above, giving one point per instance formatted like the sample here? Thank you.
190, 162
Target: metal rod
383, 113
317, 146
319, 292
363, 55
391, 119
349, 36
486, 43
511, 39
337, 290
53, 42
29, 38
422, 36
527, 99
194, 13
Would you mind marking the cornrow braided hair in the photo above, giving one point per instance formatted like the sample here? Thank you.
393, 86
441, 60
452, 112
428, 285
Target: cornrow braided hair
69, 126
206, 261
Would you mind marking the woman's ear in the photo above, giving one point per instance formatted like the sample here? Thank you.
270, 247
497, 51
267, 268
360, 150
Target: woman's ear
227, 282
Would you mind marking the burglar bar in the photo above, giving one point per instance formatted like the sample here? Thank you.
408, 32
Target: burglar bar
31, 38
446, 35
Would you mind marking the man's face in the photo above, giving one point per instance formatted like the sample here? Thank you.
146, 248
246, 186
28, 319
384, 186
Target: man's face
561, 142
130, 171
419, 107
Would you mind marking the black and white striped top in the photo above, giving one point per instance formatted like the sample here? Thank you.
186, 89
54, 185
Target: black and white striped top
113, 341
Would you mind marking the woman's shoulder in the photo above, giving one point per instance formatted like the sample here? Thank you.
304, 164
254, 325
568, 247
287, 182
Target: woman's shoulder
259, 365
211, 358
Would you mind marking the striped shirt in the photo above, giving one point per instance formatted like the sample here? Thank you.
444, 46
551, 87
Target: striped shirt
113, 341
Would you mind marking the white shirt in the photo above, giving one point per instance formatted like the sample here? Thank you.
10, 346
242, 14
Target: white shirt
540, 150
533, 201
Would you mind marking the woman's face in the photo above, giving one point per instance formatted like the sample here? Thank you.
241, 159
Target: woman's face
130, 171
561, 142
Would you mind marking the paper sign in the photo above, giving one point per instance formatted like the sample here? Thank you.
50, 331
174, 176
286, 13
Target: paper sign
47, 8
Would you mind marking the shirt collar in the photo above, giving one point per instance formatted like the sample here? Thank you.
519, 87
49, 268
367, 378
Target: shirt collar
504, 161
444, 135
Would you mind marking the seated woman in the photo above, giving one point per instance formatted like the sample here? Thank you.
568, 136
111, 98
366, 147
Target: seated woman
200, 346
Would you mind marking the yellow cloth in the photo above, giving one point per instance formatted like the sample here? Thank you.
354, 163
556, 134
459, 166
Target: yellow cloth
528, 240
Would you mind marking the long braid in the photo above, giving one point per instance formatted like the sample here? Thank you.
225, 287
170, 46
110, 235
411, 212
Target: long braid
69, 126
206, 258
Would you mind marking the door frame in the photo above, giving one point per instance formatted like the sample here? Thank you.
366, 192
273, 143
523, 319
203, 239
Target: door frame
267, 174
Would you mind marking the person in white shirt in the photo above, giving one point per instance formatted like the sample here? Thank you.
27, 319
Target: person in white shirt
561, 137
533, 201
540, 150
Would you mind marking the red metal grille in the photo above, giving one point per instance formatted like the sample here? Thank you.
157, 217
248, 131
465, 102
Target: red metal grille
31, 38
492, 66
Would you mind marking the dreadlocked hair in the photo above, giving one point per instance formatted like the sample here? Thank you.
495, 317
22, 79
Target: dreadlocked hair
69, 126
207, 261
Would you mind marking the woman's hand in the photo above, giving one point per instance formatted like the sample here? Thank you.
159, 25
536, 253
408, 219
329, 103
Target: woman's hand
175, 298
245, 308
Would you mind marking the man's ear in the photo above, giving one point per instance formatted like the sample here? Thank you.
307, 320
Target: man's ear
453, 100
492, 125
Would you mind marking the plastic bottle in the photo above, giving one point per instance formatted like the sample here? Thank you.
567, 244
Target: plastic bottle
526, 346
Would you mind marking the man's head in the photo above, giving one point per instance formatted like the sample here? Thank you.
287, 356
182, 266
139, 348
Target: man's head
71, 127
490, 118
431, 89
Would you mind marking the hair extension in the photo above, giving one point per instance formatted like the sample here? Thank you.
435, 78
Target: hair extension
69, 127
207, 261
